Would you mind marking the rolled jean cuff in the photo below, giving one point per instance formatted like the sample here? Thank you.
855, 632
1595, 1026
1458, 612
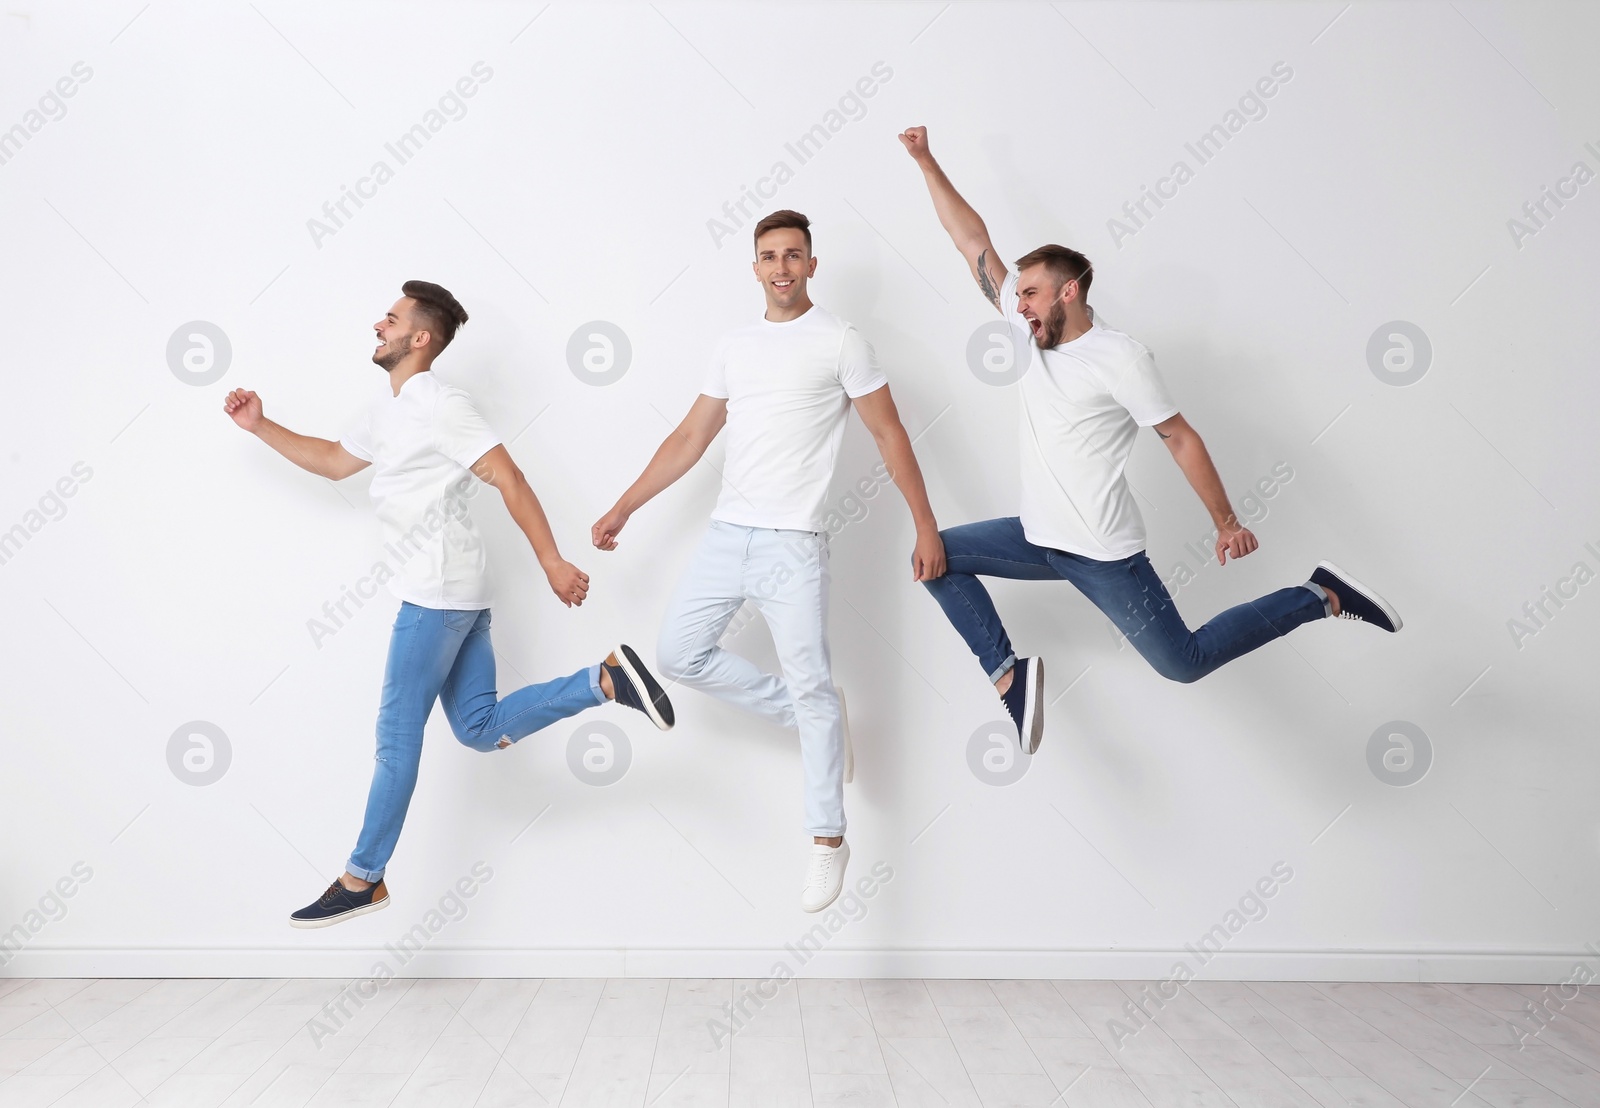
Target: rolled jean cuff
594, 684
373, 875
839, 834
1004, 668
1317, 591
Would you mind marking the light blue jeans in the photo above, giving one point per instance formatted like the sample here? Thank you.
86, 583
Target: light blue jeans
442, 655
785, 575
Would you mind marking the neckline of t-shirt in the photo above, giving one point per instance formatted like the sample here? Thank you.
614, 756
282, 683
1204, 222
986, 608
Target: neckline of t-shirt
1093, 327
807, 314
408, 380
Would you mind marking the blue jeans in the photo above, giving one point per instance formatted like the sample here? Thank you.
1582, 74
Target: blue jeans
785, 575
436, 654
1126, 590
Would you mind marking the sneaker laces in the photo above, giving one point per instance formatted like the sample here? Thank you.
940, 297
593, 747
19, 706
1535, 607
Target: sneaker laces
1345, 614
821, 868
331, 893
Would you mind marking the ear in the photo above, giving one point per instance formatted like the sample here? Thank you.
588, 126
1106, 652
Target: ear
1069, 291
420, 339
812, 272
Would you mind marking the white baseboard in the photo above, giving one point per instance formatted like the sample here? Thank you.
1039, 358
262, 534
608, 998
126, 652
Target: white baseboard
461, 960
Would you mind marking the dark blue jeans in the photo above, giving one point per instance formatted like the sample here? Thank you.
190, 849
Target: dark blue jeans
1127, 590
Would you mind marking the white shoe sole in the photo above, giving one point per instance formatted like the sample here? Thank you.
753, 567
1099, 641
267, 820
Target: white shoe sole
1033, 706
376, 905
844, 864
625, 660
849, 747
1382, 604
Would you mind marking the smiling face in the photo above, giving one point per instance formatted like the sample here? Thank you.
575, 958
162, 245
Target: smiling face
1043, 304
396, 334
783, 264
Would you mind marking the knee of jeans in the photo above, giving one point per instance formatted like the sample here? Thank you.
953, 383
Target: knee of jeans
1176, 669
676, 662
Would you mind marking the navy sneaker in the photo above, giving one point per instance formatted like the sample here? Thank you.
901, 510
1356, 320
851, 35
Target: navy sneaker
339, 903
636, 687
1356, 601
1025, 701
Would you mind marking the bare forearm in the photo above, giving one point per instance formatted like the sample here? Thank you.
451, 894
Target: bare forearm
311, 454
958, 218
529, 515
1195, 461
675, 457
895, 449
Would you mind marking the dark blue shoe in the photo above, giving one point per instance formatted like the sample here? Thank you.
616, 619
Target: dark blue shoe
1356, 601
635, 687
1025, 701
339, 903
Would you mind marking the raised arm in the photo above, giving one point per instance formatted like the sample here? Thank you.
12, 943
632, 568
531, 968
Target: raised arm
323, 457
676, 456
965, 226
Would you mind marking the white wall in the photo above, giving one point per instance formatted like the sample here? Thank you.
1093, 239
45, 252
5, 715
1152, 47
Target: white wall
178, 584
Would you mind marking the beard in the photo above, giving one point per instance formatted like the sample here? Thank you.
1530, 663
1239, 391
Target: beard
1052, 325
391, 353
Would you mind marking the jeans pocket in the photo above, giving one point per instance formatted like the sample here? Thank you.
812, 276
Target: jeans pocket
460, 620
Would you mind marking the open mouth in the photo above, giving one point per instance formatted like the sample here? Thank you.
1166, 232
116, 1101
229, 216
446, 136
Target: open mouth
783, 286
1036, 324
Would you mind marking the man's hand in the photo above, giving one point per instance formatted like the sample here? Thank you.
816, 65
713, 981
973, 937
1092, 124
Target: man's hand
568, 582
245, 408
1237, 543
927, 560
606, 530
915, 140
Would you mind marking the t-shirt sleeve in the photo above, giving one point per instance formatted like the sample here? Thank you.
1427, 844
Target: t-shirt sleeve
858, 365
1142, 392
357, 438
459, 432
716, 382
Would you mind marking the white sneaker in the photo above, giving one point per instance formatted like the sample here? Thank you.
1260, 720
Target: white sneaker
849, 747
824, 876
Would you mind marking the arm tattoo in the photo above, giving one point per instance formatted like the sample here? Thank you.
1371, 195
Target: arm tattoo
984, 281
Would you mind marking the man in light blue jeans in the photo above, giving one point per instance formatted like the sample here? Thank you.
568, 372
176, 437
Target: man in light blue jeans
429, 446
783, 385
785, 575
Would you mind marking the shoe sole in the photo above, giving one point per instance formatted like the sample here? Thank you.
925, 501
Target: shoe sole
849, 747
656, 704
1033, 706
1372, 597
329, 921
836, 892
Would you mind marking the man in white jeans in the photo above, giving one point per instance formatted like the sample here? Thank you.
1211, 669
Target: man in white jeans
783, 384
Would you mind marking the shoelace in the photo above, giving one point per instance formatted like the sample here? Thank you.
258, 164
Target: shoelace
1349, 615
819, 875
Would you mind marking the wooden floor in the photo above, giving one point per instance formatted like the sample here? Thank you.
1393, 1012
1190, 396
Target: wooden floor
930, 1044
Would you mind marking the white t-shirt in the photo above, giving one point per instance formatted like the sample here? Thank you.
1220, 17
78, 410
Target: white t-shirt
1083, 403
788, 387
422, 444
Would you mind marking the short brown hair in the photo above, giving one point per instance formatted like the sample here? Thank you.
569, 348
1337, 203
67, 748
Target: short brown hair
784, 218
439, 312
1062, 264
